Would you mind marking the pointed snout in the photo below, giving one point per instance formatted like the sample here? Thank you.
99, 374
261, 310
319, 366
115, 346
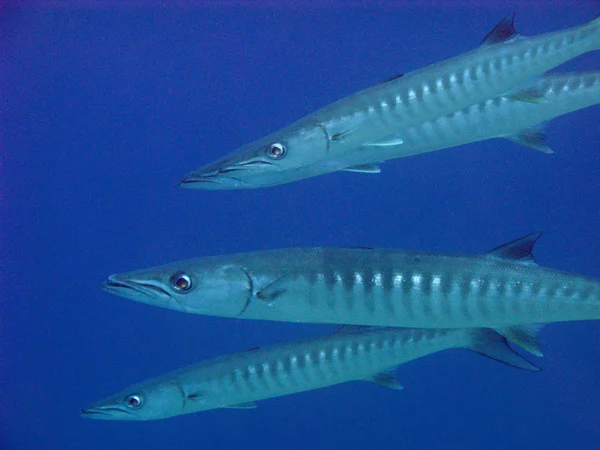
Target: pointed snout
109, 411
200, 180
211, 179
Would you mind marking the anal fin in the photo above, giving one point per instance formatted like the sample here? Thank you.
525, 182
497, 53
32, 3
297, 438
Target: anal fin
488, 342
533, 137
525, 336
387, 378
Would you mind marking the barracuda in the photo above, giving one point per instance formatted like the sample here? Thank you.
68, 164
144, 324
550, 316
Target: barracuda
374, 121
363, 286
237, 380
500, 117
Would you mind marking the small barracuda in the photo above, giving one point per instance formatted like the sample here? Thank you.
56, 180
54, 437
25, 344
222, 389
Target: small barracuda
375, 119
500, 117
362, 286
237, 380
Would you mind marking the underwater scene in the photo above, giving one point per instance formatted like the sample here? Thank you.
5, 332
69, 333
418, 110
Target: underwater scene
325, 225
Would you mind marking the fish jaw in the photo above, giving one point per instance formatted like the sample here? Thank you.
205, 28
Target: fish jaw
289, 154
219, 175
155, 399
211, 286
106, 413
142, 290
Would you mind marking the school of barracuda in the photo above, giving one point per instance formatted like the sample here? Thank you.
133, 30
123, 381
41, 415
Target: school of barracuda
394, 305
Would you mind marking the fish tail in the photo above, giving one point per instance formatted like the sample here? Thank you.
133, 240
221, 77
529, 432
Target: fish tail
492, 344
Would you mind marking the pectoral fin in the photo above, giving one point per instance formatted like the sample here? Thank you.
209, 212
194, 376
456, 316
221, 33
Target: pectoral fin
275, 289
346, 128
364, 168
247, 405
386, 378
531, 92
528, 95
341, 135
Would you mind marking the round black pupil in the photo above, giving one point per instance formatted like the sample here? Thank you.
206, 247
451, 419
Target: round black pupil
182, 283
133, 401
276, 150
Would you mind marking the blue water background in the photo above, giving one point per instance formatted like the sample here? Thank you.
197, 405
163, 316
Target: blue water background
105, 108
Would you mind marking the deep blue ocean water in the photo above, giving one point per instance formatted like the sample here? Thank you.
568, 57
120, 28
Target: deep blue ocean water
103, 108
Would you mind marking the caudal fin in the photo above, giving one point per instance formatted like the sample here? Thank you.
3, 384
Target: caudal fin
488, 342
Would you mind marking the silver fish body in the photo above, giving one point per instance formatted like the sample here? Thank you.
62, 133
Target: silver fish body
499, 117
237, 380
375, 118
381, 287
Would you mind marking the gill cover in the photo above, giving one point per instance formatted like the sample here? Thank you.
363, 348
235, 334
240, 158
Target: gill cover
202, 286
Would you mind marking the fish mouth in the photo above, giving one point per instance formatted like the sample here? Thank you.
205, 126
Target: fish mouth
209, 181
133, 289
222, 178
103, 412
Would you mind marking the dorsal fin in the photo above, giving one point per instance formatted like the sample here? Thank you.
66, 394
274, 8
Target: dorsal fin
503, 32
518, 250
246, 405
395, 77
357, 328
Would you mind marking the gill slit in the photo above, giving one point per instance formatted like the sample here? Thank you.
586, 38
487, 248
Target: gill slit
184, 395
322, 126
250, 290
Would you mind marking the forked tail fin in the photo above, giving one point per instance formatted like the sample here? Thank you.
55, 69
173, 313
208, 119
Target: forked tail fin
492, 344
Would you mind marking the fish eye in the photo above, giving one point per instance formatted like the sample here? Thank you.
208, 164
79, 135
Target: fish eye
181, 282
134, 402
276, 151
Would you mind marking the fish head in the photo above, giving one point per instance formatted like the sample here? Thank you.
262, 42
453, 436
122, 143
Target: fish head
148, 401
290, 154
210, 286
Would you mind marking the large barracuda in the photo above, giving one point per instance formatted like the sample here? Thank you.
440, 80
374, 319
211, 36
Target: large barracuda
237, 380
362, 286
374, 121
